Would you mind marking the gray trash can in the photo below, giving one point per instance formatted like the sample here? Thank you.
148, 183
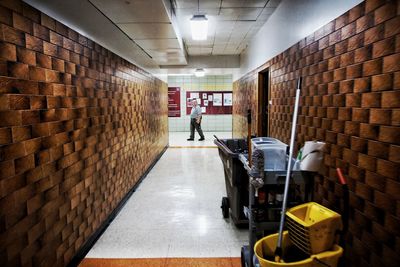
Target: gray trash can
236, 179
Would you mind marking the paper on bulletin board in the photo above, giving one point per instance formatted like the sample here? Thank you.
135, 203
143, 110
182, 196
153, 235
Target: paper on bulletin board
198, 101
210, 97
189, 102
194, 95
228, 99
204, 95
217, 99
205, 102
203, 109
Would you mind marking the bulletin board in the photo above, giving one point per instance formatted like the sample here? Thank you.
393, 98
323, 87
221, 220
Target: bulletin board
174, 101
211, 102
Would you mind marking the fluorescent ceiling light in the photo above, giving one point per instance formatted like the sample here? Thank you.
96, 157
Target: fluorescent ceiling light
199, 27
180, 74
199, 73
173, 74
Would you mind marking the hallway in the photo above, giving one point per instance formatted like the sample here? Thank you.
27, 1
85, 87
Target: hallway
96, 102
175, 211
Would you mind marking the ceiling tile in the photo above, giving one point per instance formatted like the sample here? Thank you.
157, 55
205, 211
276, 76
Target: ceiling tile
172, 52
263, 17
235, 41
200, 50
158, 43
237, 36
221, 40
243, 26
273, 3
192, 11
232, 3
208, 42
249, 13
268, 10
218, 51
225, 26
229, 14
194, 4
148, 30
254, 3
123, 11
244, 3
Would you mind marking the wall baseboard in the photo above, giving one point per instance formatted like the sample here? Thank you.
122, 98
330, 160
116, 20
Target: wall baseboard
80, 255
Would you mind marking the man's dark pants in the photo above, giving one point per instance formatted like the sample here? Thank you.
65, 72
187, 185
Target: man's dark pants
195, 125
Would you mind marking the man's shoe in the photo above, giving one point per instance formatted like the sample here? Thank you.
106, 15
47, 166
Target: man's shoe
201, 139
190, 139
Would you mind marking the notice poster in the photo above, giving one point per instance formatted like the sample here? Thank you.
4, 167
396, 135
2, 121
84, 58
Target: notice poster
205, 103
203, 110
228, 99
210, 98
217, 99
189, 102
204, 95
194, 95
174, 101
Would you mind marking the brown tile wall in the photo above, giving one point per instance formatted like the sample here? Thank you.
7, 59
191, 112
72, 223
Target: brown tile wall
78, 127
245, 98
351, 100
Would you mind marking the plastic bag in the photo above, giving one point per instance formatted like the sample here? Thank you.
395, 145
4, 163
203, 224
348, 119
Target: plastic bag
312, 156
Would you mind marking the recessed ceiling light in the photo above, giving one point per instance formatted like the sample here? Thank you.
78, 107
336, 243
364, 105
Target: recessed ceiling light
199, 73
199, 27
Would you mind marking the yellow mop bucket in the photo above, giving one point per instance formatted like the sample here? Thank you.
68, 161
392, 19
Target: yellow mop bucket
265, 251
312, 227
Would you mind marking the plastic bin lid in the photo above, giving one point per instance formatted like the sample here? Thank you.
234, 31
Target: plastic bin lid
267, 141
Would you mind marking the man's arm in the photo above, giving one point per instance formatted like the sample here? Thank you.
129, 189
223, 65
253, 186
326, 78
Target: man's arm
199, 115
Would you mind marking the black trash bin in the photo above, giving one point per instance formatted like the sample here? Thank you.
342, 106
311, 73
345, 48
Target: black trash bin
236, 179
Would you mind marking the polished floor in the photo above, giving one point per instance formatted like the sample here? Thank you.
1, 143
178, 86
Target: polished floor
179, 139
162, 262
175, 212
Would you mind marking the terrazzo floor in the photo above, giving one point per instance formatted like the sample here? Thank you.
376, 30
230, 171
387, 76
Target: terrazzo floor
175, 212
178, 139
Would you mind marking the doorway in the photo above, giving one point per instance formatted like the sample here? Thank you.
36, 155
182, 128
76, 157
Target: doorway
263, 100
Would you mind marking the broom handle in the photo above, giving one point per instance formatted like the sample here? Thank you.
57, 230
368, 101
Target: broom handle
278, 251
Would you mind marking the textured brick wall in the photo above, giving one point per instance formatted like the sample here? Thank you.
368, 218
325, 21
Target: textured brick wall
78, 127
351, 100
245, 97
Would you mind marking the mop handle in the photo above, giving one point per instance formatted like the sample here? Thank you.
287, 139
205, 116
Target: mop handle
278, 251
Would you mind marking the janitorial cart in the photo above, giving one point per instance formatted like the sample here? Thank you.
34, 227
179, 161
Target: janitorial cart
310, 238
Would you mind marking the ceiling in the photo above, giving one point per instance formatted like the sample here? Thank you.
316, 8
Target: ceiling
155, 34
232, 23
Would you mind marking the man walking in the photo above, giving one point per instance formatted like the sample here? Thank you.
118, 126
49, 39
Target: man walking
195, 121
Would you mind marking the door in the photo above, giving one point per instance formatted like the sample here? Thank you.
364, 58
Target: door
263, 100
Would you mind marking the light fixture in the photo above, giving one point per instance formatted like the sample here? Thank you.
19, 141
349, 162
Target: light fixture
199, 73
199, 27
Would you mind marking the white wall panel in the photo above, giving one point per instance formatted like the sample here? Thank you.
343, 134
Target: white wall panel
210, 123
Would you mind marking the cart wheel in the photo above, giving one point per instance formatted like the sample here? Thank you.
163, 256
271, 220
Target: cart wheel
225, 207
